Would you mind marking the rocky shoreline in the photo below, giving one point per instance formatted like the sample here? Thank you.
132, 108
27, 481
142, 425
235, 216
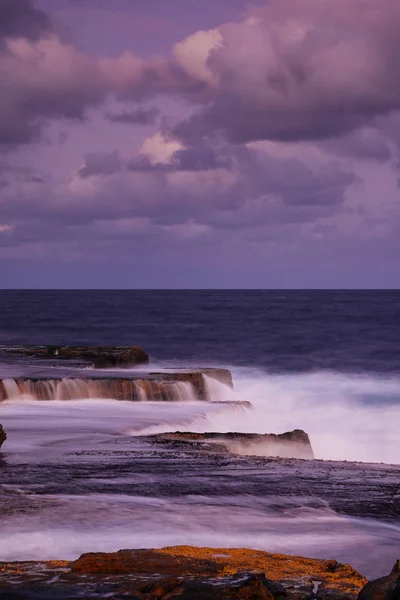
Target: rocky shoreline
290, 444
183, 572
268, 471
191, 573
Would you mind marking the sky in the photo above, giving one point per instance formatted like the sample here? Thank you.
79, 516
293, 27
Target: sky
199, 144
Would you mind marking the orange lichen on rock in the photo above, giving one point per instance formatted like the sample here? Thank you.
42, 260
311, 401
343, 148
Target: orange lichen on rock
277, 567
203, 563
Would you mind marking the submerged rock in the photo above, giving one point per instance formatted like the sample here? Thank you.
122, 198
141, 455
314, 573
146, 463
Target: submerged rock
293, 444
99, 356
385, 588
3, 436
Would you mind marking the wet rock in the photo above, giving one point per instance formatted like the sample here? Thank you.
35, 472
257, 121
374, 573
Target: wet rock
182, 572
140, 562
293, 444
385, 588
222, 375
3, 436
70, 388
196, 379
99, 356
251, 587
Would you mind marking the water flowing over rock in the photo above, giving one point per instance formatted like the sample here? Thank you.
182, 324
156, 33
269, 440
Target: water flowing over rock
3, 436
166, 387
99, 356
74, 389
384, 588
293, 444
196, 378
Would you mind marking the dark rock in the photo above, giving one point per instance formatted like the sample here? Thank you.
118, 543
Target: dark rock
252, 587
99, 356
385, 588
3, 436
293, 444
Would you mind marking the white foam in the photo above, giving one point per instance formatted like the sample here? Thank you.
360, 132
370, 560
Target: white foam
348, 417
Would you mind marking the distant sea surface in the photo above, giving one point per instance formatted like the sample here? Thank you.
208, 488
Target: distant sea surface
350, 331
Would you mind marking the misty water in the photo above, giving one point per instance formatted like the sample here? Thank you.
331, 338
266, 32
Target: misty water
78, 475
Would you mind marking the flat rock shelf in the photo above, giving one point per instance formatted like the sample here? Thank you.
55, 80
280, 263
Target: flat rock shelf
183, 572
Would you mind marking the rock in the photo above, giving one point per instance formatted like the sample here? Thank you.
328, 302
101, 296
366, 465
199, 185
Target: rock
3, 436
152, 387
293, 444
228, 573
222, 375
195, 377
99, 356
182, 572
385, 588
251, 587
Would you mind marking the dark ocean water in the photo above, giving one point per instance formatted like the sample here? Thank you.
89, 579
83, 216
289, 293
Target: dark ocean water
348, 331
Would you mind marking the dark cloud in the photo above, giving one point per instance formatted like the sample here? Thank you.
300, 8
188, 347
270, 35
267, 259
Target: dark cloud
20, 18
253, 190
42, 80
100, 164
140, 116
298, 70
364, 144
294, 71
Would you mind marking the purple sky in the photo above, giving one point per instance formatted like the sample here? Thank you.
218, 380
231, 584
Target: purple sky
199, 144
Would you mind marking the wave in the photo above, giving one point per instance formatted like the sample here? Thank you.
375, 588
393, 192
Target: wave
348, 417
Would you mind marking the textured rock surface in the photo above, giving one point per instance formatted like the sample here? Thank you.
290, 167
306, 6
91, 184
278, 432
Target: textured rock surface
99, 356
195, 377
153, 386
134, 389
182, 572
384, 588
291, 444
3, 436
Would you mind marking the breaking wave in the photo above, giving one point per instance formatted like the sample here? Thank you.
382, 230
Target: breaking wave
348, 417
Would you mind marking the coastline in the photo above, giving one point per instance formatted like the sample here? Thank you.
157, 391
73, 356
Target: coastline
175, 572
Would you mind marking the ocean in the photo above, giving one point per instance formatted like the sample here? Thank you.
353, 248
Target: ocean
79, 476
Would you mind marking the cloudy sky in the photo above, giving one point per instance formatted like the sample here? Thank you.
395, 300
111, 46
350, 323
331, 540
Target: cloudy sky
199, 144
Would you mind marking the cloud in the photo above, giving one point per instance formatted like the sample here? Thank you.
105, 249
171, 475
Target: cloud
213, 189
19, 18
41, 80
366, 143
292, 71
100, 164
193, 53
301, 70
139, 116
